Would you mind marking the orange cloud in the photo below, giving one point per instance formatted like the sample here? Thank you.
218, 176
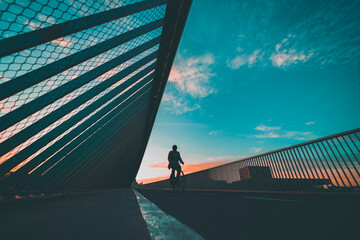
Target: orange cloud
189, 168
150, 180
62, 42
160, 165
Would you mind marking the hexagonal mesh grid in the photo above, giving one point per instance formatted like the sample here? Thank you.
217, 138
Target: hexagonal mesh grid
73, 72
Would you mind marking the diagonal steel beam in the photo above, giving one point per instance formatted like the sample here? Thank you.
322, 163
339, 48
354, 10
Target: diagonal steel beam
79, 148
40, 36
39, 103
20, 83
70, 153
61, 166
35, 146
79, 134
114, 136
109, 159
46, 121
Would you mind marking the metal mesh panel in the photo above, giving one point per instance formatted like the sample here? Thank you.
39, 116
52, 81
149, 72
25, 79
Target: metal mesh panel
69, 70
19, 63
25, 16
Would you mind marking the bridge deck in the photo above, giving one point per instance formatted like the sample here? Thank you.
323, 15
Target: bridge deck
213, 215
103, 215
236, 215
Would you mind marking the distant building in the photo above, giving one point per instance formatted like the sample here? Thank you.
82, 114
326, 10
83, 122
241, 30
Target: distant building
255, 172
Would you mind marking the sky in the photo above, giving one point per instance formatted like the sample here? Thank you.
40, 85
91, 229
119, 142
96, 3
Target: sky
254, 76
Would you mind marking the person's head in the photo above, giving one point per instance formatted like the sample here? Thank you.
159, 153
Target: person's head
174, 147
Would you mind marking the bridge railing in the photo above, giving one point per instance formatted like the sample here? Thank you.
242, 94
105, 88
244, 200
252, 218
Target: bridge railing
330, 164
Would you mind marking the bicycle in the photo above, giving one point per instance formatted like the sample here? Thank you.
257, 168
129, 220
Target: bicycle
179, 184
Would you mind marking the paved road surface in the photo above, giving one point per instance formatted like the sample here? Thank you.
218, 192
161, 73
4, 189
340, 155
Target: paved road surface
103, 215
221, 215
213, 215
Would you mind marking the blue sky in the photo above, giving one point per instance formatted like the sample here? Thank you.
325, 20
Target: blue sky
255, 76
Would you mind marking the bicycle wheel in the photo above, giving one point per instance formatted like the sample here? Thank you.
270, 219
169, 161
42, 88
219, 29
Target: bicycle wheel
181, 182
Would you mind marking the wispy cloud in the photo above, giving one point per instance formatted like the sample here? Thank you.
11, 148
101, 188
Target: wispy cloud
63, 42
309, 123
215, 132
320, 33
244, 59
192, 75
285, 55
189, 82
278, 132
32, 25
268, 135
257, 150
178, 104
47, 19
264, 128
39, 21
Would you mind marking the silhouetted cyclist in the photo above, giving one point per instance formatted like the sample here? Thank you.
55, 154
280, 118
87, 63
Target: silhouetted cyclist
174, 159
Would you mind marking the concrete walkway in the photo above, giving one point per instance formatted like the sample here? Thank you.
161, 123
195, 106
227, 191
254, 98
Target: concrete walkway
103, 215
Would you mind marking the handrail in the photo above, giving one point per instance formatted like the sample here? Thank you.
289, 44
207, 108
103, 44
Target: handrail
285, 148
330, 163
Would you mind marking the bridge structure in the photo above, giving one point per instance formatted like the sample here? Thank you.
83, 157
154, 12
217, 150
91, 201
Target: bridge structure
81, 86
81, 83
